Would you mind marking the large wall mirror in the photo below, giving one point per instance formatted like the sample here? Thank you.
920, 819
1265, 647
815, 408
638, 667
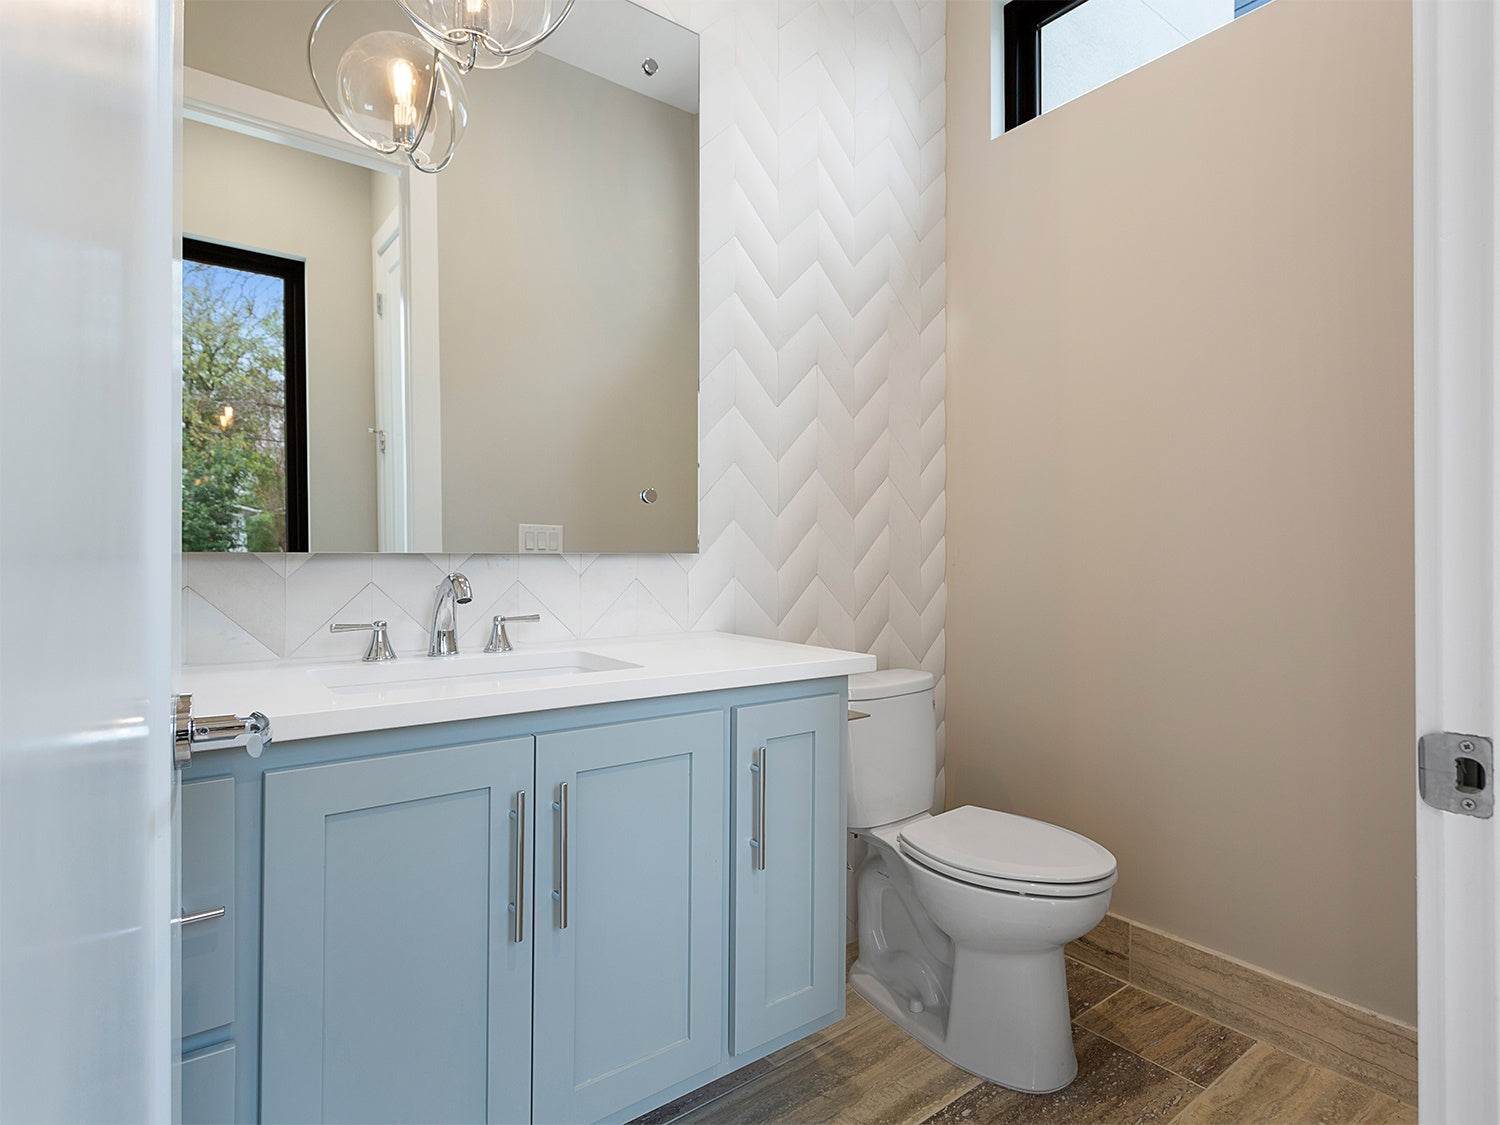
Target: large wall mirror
378, 359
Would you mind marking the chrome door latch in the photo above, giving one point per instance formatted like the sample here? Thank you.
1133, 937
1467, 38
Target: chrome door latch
252, 731
1455, 773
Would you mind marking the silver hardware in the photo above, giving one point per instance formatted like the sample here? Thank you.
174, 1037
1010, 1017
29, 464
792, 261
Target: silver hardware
1454, 773
379, 304
561, 894
758, 768
650, 67
379, 436
201, 916
499, 640
853, 714
182, 729
379, 647
648, 496
520, 815
215, 732
452, 592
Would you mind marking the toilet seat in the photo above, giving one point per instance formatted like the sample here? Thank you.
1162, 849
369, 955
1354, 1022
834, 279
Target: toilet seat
1001, 851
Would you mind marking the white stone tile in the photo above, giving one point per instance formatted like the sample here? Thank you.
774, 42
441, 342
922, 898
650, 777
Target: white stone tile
212, 638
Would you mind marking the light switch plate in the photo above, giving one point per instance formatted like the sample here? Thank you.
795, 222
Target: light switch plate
541, 538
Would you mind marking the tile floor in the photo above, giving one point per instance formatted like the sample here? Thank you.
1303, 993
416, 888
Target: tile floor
1140, 1059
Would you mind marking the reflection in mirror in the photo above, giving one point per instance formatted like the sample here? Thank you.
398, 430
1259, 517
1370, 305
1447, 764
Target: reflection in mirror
244, 460
513, 341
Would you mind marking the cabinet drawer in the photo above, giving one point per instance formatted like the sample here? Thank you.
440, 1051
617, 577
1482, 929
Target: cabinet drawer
208, 1086
207, 883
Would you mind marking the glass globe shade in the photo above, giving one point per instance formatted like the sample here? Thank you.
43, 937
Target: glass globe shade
383, 87
483, 33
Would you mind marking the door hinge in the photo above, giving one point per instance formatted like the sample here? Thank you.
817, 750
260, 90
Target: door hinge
379, 304
1454, 773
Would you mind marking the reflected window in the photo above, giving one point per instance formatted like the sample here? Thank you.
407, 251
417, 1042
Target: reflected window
244, 446
1057, 50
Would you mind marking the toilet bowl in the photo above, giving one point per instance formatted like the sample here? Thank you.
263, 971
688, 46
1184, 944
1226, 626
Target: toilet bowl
963, 916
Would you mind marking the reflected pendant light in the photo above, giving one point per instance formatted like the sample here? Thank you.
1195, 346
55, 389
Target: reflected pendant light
486, 34
396, 92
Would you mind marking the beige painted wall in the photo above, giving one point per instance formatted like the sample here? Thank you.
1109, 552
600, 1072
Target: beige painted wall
1180, 477
265, 196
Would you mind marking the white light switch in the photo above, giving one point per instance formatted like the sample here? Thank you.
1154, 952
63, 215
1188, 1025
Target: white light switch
541, 538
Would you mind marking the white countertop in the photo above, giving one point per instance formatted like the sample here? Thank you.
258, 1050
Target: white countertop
313, 700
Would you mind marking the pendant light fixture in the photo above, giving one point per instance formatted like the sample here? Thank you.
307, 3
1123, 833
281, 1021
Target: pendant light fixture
486, 34
400, 93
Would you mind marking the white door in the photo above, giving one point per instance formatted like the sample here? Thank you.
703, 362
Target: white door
1457, 461
88, 444
391, 449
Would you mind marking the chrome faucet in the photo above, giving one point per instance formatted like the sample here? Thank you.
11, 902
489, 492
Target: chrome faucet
452, 592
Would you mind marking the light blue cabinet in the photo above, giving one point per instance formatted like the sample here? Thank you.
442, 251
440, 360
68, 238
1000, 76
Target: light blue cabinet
393, 986
630, 933
395, 939
788, 856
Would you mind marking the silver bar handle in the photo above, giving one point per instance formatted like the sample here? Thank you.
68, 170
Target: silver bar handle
520, 866
200, 916
758, 768
561, 893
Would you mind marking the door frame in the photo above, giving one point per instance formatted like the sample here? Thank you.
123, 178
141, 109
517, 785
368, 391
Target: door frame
1456, 341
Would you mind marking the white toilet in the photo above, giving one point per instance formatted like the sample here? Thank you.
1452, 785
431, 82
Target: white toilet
962, 916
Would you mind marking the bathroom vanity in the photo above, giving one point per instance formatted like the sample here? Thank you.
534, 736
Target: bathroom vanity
566, 888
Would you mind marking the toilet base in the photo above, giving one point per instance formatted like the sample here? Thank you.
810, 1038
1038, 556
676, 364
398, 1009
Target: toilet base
1013, 1031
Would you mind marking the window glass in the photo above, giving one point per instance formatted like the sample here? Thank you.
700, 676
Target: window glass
1100, 40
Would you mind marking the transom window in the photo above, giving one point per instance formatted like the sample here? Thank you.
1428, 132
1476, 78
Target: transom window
1055, 50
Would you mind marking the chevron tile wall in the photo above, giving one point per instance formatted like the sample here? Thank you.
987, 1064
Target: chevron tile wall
821, 423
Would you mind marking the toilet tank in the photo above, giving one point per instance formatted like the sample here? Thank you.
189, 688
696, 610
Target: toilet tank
892, 754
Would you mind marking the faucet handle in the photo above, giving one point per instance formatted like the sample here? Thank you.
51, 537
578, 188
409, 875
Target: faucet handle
499, 641
380, 640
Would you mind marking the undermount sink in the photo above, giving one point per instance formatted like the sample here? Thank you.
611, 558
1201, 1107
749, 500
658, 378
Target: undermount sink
450, 677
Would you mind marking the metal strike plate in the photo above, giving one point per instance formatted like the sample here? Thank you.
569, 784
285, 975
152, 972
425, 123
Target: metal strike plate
1455, 773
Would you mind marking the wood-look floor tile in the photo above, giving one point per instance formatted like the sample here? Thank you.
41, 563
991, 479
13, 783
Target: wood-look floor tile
1113, 1087
704, 1094
869, 1072
1269, 1085
1371, 1049
1159, 1031
1088, 986
1106, 946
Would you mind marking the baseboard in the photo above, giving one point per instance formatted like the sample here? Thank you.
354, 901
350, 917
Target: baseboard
1353, 1041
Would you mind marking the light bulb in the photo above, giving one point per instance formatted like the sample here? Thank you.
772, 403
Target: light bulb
403, 106
226, 419
473, 16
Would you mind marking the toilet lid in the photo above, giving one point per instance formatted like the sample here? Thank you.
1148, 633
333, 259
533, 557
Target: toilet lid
999, 845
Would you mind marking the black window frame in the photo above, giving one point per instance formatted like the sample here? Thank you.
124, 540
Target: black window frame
293, 275
1024, 20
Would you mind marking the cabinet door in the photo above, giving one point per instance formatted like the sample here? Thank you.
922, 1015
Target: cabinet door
788, 855
630, 945
394, 986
